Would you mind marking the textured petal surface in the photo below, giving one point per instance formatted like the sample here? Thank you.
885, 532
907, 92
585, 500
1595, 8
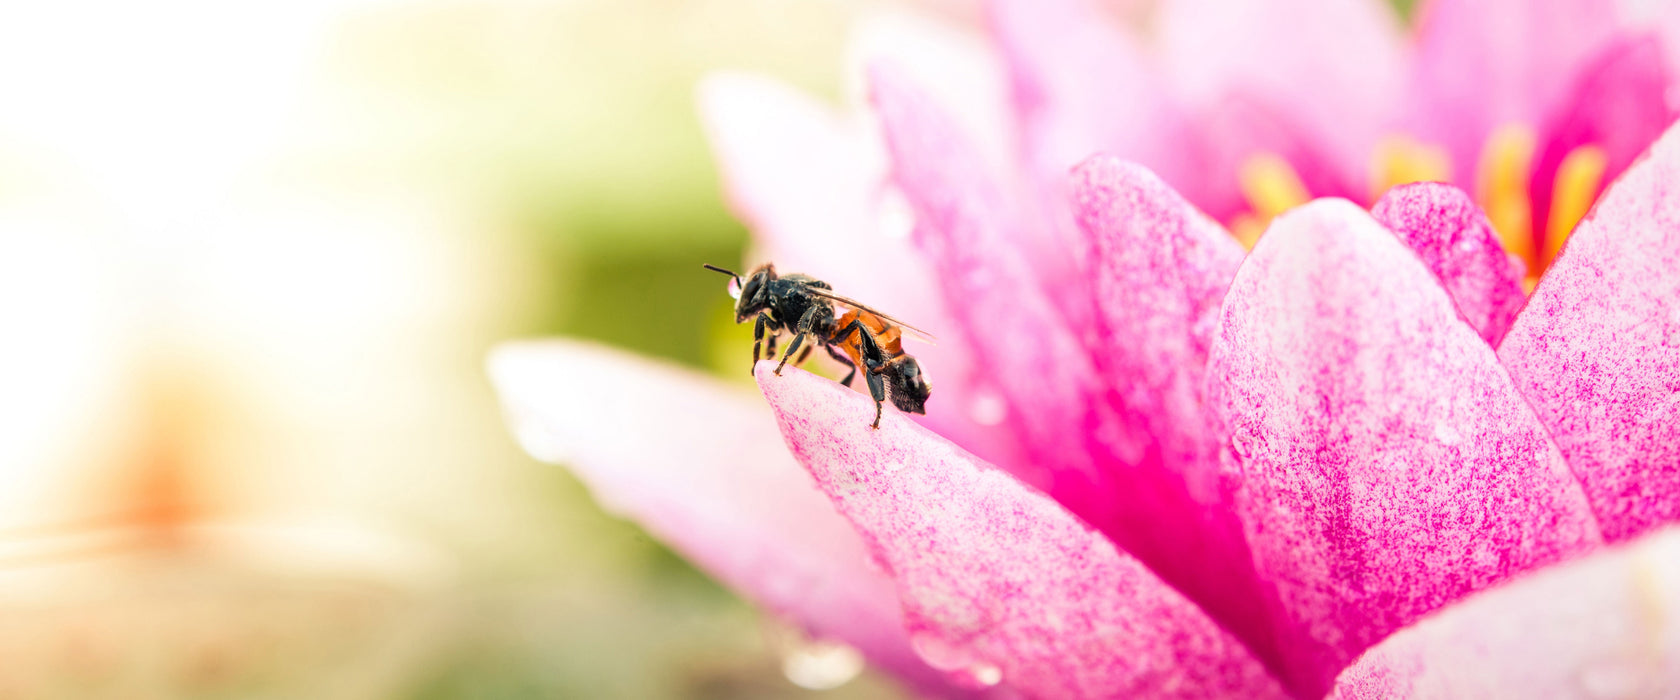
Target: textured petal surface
1445, 227
997, 579
715, 483
811, 186
971, 235
1332, 68
1388, 464
1619, 104
1161, 271
1483, 64
1597, 349
1605, 626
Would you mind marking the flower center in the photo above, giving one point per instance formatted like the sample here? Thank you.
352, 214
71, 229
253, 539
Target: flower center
1502, 188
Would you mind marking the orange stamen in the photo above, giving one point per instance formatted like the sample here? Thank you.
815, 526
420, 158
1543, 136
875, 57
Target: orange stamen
1401, 160
1502, 188
1271, 187
1573, 191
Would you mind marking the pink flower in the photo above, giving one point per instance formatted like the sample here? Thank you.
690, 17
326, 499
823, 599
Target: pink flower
1361, 459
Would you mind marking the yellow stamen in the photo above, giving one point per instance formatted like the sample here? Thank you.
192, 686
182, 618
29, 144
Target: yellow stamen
1502, 187
1247, 229
1271, 185
1401, 160
1573, 192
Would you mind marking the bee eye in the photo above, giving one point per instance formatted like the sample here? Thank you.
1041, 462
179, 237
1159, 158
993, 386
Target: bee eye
735, 288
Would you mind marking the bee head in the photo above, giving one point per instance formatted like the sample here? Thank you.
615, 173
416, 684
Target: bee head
907, 385
754, 292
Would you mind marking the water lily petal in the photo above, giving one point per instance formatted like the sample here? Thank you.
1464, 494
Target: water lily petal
1597, 349
1619, 104
1334, 68
716, 485
1483, 64
1161, 271
969, 232
810, 183
999, 581
1082, 84
1388, 464
1452, 235
1604, 626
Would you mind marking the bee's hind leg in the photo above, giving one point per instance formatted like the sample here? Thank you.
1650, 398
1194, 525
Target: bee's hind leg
877, 391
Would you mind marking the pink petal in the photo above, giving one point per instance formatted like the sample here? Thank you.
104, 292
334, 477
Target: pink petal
996, 579
971, 236
1452, 235
1161, 271
1619, 104
1605, 626
811, 186
1483, 64
1082, 84
1597, 349
1388, 465
1332, 67
714, 483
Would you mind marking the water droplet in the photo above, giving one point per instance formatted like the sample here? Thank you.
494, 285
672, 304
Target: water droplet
986, 675
987, 408
939, 653
1612, 679
814, 664
735, 288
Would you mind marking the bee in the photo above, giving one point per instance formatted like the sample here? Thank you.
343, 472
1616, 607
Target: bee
861, 337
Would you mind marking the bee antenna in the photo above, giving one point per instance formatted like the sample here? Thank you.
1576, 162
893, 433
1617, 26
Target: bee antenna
715, 268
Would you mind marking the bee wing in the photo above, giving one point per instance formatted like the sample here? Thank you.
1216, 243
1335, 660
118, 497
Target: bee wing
908, 329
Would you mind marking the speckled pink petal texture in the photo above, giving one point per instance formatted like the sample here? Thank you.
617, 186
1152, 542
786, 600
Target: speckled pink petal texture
1604, 626
999, 581
1445, 227
810, 183
1333, 68
969, 232
712, 480
1161, 271
1597, 349
1388, 464
1619, 104
1483, 64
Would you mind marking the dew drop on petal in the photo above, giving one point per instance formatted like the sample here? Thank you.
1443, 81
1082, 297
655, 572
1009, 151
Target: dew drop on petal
986, 675
987, 408
941, 654
813, 664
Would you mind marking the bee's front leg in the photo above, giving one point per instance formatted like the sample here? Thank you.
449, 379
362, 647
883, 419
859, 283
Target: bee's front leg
764, 321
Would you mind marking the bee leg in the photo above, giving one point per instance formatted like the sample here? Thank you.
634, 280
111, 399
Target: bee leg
758, 336
806, 323
847, 361
804, 354
877, 391
770, 344
798, 339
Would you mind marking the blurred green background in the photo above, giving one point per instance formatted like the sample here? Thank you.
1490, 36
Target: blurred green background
251, 261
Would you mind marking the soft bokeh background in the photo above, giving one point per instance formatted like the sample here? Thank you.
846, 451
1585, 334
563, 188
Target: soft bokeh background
251, 259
